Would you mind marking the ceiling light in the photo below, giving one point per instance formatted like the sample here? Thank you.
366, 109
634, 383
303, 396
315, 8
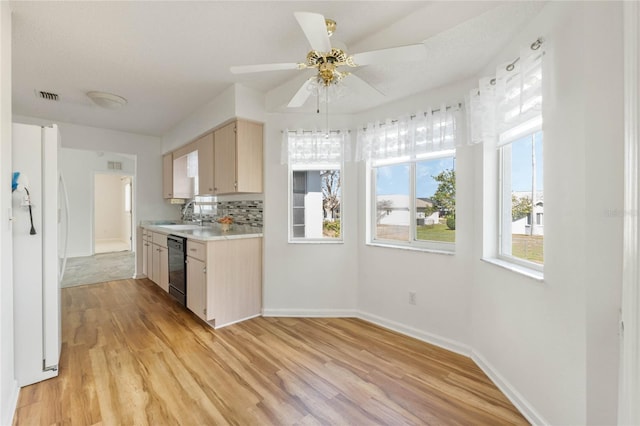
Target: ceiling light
107, 100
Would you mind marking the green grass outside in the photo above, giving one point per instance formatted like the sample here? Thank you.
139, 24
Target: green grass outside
528, 247
437, 232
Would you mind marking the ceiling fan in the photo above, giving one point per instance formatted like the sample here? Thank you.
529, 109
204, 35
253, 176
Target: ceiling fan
330, 61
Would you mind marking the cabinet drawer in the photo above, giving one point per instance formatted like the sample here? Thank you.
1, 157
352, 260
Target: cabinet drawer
146, 235
159, 239
196, 249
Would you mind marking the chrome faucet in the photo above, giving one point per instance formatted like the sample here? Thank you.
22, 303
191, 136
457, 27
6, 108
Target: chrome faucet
185, 209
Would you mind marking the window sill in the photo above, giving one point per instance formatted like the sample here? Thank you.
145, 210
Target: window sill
412, 248
318, 241
522, 270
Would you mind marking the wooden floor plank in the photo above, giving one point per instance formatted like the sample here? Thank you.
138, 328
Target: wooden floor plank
130, 355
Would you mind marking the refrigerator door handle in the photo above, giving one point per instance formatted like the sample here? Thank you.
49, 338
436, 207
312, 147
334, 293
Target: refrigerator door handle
65, 196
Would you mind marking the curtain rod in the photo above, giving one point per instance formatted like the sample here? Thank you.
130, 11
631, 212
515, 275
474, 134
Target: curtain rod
412, 116
317, 131
511, 66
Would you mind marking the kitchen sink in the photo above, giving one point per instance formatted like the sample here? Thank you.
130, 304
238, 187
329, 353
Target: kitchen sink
182, 226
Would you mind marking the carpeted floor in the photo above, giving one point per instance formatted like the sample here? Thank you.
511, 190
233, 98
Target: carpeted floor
99, 268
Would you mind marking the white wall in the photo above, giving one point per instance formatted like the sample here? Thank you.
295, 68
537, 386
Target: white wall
306, 279
8, 385
555, 342
79, 168
442, 283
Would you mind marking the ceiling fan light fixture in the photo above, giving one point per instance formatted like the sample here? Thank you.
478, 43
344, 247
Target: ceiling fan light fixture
107, 100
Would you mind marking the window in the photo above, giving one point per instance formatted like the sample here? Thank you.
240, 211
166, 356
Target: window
315, 162
415, 202
522, 201
315, 204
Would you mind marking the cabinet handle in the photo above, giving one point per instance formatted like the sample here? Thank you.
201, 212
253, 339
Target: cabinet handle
192, 249
215, 189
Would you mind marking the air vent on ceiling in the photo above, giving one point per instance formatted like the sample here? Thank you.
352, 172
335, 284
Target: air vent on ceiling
50, 96
114, 165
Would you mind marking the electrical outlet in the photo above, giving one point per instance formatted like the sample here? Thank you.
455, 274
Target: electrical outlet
412, 297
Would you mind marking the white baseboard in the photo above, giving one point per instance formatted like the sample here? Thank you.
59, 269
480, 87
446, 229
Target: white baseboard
525, 408
7, 417
236, 321
501, 383
139, 276
315, 313
443, 342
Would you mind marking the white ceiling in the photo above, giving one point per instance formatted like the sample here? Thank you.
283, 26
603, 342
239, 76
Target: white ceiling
170, 58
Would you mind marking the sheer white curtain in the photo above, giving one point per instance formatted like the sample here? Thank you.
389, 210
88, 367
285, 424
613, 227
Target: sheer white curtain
508, 106
409, 136
304, 147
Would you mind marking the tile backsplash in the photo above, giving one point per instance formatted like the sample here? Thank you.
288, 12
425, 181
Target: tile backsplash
245, 212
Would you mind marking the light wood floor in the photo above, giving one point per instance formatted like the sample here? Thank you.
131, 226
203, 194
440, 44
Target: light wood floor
132, 356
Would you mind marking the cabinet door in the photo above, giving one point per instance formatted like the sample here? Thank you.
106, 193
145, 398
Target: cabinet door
196, 287
164, 269
235, 279
145, 257
167, 175
155, 264
249, 162
224, 158
205, 164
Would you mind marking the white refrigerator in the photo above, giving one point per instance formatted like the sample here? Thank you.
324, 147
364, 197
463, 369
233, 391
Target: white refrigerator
40, 224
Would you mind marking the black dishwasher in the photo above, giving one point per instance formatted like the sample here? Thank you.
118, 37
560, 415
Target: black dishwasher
177, 268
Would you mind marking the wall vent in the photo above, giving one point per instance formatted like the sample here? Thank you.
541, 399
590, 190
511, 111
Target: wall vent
50, 96
114, 165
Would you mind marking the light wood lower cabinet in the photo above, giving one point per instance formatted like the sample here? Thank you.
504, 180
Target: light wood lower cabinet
227, 286
155, 258
160, 266
196, 287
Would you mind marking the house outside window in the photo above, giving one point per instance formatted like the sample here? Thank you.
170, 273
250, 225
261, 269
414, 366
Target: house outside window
411, 180
315, 162
415, 202
521, 238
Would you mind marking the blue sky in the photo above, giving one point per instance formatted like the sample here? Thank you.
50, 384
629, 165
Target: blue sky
521, 164
395, 179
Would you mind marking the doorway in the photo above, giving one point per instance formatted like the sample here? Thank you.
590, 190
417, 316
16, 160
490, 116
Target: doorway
113, 201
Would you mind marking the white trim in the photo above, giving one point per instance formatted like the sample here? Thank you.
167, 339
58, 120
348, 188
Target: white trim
311, 313
236, 321
525, 408
629, 375
514, 267
434, 339
13, 404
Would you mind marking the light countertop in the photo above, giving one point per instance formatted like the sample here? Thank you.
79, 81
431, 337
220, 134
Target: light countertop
206, 232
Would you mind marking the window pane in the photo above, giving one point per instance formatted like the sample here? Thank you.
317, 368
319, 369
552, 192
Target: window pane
392, 202
436, 200
523, 223
316, 201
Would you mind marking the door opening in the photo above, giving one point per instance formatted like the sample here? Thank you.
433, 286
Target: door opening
113, 213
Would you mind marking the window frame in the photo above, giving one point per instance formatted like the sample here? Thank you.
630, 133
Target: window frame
313, 167
507, 204
412, 243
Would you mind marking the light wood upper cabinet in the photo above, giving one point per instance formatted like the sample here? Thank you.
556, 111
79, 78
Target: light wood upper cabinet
167, 175
205, 164
249, 140
224, 157
229, 161
238, 157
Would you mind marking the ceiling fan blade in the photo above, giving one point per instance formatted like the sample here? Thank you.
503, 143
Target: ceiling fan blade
412, 52
243, 69
315, 29
361, 86
301, 95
